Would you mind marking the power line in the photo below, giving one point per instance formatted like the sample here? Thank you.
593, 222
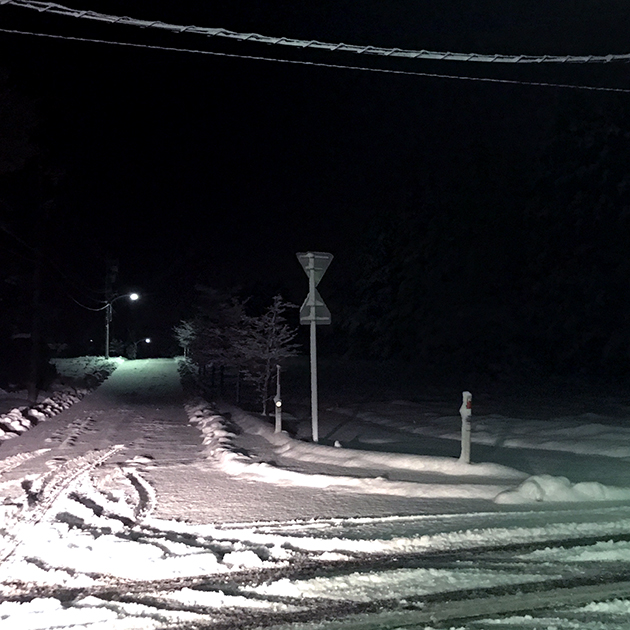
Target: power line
49, 7
325, 65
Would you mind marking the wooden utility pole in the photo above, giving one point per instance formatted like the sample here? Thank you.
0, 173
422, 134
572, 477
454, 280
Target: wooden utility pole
36, 333
110, 278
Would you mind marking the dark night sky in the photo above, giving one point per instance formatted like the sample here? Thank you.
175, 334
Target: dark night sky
197, 167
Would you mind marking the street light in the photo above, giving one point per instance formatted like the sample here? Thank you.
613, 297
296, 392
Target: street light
132, 348
108, 316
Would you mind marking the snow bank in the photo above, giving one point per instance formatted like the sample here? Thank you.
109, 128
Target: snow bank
20, 419
220, 435
78, 377
546, 488
351, 458
466, 481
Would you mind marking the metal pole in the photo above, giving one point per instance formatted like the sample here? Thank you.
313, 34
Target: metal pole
314, 418
313, 324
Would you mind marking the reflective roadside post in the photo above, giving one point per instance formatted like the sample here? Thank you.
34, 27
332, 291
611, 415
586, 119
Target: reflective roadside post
466, 412
314, 312
278, 402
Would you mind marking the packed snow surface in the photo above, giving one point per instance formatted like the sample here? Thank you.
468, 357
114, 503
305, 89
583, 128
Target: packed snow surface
178, 504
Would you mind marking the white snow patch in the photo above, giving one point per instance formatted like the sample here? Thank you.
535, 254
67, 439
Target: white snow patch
546, 488
400, 583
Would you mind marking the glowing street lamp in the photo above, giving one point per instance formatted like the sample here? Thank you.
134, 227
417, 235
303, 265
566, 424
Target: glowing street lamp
132, 347
108, 316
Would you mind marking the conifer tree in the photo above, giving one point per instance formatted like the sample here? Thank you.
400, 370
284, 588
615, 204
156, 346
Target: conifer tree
185, 334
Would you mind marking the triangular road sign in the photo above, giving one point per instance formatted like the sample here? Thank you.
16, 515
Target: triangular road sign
314, 310
318, 261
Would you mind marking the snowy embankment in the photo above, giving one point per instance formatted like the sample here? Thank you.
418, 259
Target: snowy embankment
76, 378
449, 478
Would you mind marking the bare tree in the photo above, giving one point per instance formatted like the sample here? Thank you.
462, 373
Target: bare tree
261, 342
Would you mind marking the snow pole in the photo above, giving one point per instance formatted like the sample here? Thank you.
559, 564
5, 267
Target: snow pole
278, 402
466, 412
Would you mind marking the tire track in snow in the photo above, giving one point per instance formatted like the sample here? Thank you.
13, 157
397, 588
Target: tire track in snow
463, 606
72, 433
17, 460
438, 608
43, 495
147, 499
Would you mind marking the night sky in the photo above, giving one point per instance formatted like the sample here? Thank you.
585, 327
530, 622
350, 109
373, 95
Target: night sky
192, 168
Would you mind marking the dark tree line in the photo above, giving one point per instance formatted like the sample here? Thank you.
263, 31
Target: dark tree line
507, 275
27, 190
38, 313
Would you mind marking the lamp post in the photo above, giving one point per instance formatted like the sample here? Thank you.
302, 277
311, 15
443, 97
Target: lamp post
132, 348
108, 316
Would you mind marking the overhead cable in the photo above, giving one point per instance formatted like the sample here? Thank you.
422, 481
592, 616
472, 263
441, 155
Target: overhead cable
327, 65
49, 7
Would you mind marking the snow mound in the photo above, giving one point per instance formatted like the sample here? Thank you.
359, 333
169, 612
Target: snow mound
549, 489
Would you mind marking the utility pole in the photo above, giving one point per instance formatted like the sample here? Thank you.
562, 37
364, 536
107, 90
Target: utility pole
36, 333
110, 278
36, 358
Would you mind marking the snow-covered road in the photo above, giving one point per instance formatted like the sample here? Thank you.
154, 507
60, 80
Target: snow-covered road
139, 509
140, 405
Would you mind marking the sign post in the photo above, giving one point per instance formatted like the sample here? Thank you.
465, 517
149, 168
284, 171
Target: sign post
314, 312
